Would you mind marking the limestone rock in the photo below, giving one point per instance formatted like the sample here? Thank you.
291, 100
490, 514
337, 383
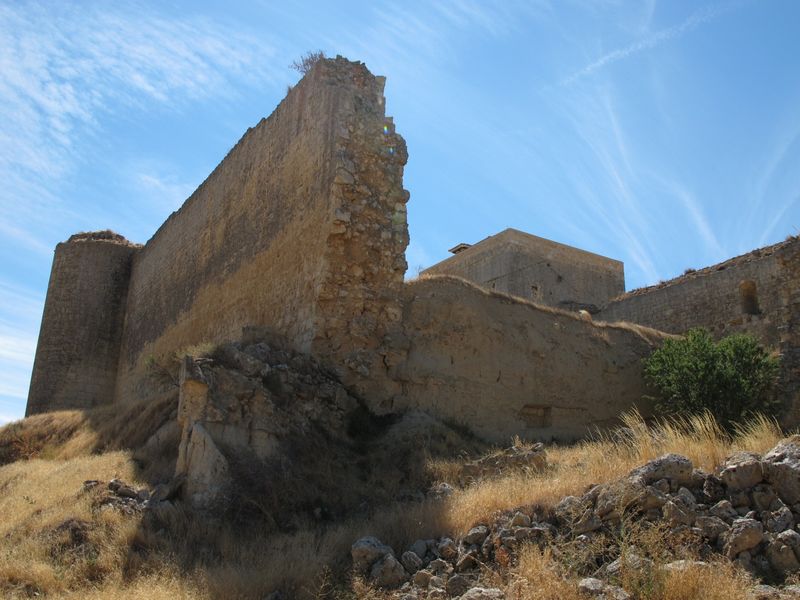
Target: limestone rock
411, 561
743, 535
388, 572
520, 520
366, 552
711, 527
782, 469
476, 535
457, 585
591, 586
674, 467
204, 466
447, 548
781, 557
480, 593
422, 578
741, 470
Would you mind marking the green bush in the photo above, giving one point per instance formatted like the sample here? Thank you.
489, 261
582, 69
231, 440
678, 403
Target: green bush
731, 378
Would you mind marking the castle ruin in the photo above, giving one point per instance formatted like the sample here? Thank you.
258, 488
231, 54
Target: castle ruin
301, 230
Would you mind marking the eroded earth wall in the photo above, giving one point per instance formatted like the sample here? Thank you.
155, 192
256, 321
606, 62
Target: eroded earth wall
503, 367
757, 293
301, 228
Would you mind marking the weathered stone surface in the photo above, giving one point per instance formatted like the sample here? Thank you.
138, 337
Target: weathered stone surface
204, 467
447, 548
457, 585
366, 551
480, 593
476, 535
673, 467
711, 527
743, 535
520, 520
741, 470
782, 557
782, 469
388, 572
591, 586
411, 561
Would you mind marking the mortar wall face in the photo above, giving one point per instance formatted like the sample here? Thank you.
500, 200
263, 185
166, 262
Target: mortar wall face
257, 243
78, 349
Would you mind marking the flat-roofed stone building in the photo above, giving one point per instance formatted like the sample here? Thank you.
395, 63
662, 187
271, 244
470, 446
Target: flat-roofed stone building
540, 270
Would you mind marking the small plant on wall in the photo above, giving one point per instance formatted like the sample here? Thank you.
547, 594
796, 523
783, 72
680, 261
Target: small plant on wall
731, 378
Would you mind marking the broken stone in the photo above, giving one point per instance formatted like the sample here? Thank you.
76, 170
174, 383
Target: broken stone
591, 586
782, 469
411, 561
480, 593
711, 527
457, 585
781, 557
421, 578
724, 510
388, 572
741, 470
520, 520
476, 535
744, 534
673, 467
447, 548
366, 552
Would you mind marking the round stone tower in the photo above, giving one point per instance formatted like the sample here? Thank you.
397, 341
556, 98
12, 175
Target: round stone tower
79, 341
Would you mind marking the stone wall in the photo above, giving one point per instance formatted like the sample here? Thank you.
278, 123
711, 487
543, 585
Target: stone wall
76, 358
503, 367
301, 228
546, 272
757, 293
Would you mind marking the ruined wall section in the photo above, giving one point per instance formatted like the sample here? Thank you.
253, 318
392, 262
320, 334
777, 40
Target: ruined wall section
79, 340
505, 367
265, 239
536, 269
359, 302
757, 293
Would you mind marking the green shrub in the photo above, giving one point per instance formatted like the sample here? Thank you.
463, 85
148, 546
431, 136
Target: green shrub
731, 378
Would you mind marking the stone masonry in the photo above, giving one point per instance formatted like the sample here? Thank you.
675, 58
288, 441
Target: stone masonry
301, 231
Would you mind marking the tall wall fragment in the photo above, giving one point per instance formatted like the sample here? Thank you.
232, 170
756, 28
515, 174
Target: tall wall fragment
301, 228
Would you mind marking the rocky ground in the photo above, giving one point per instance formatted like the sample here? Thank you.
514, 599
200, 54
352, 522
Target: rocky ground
747, 511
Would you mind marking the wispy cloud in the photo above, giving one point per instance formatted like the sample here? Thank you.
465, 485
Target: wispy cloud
64, 69
698, 219
699, 17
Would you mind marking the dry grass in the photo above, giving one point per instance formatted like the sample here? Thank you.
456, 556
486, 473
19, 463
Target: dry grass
576, 468
539, 576
181, 556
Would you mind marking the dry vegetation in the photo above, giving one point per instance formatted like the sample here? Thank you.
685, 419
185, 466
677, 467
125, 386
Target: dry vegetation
58, 542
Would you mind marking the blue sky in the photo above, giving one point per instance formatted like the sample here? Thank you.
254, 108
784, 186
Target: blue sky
662, 133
